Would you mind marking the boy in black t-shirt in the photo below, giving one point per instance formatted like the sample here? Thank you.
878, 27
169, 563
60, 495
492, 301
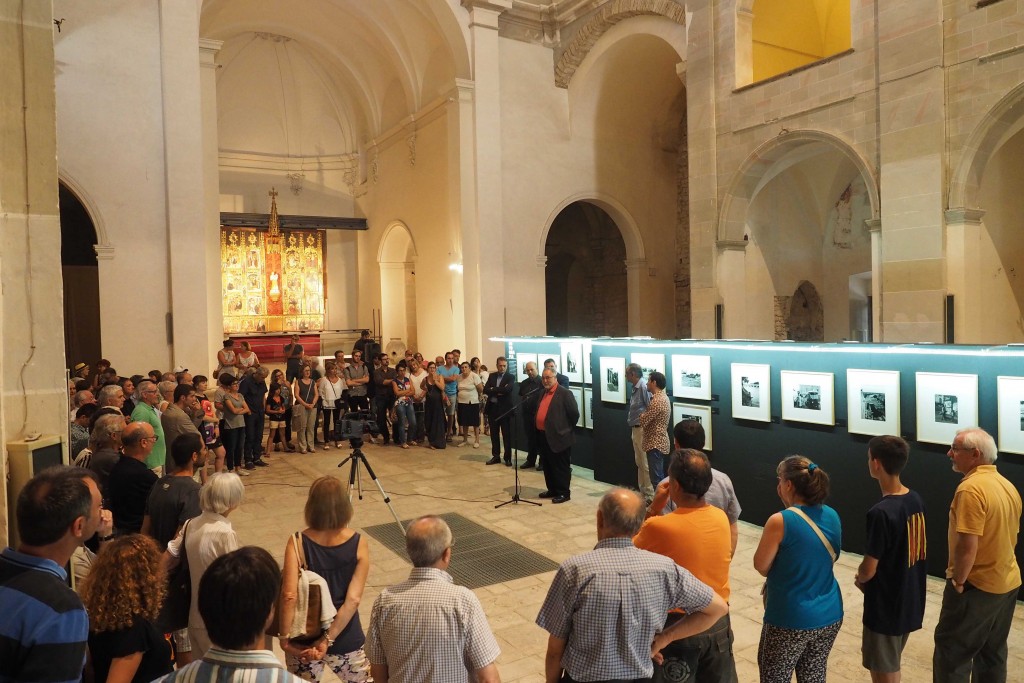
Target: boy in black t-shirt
893, 573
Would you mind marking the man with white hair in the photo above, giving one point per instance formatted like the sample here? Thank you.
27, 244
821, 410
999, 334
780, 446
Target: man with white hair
982, 574
426, 628
146, 412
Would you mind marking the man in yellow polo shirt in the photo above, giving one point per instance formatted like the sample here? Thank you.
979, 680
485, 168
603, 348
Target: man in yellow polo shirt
983, 576
696, 537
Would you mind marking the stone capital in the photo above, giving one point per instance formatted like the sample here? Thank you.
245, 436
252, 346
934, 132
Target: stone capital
873, 224
208, 50
484, 13
964, 216
542, 261
731, 245
104, 252
635, 263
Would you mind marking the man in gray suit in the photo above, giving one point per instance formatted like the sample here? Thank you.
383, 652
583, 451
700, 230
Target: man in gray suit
556, 417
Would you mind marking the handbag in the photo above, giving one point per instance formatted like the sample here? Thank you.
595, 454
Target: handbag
309, 616
824, 541
178, 600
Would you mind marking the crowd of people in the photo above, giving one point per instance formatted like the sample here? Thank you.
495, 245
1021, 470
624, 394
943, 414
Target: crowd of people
650, 602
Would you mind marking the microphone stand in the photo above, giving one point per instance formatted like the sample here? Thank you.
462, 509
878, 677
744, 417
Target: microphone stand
514, 433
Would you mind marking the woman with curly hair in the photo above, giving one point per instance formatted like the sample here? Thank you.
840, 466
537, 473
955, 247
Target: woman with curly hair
122, 595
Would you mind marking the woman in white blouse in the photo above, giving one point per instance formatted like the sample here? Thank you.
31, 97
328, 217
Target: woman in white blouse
332, 389
206, 538
469, 404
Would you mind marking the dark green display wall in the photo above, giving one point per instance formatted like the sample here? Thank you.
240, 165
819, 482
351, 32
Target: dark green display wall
749, 451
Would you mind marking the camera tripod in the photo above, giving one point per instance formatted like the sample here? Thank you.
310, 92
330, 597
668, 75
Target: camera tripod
355, 480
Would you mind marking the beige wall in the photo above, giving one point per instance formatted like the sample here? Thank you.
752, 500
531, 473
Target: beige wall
33, 399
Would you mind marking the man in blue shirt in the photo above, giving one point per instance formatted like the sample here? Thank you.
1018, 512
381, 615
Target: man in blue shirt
450, 372
253, 389
45, 627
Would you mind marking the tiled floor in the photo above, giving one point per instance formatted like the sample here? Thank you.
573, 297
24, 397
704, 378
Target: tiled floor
422, 481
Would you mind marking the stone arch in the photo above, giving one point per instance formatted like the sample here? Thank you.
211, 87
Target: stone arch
758, 167
396, 244
104, 250
608, 16
999, 124
805, 318
627, 225
396, 258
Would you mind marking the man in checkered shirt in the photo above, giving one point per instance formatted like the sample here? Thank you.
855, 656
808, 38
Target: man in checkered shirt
426, 629
605, 608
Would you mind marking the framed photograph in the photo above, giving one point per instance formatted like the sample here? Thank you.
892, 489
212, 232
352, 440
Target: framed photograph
649, 362
588, 352
691, 377
873, 402
946, 403
587, 408
572, 361
521, 360
688, 411
612, 378
1010, 399
752, 392
808, 397
580, 403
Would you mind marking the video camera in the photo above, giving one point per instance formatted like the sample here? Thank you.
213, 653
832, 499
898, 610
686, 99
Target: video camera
354, 425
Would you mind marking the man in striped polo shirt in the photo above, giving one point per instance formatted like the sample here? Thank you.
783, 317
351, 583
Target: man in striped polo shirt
45, 628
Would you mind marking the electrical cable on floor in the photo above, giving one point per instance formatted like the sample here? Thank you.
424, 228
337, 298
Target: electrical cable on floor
390, 492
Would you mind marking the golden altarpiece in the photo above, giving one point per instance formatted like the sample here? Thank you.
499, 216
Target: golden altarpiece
272, 280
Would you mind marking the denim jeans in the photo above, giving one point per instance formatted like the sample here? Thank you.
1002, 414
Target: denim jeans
406, 422
253, 436
656, 461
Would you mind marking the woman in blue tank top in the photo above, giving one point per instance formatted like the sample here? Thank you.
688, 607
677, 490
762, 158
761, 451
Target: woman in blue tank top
803, 605
342, 557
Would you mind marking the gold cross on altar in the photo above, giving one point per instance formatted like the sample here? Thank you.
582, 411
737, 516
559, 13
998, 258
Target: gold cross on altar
273, 193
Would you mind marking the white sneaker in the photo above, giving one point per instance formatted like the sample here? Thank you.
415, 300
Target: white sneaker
242, 472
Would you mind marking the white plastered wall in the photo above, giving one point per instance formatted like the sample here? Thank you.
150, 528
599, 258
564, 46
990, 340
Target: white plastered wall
597, 141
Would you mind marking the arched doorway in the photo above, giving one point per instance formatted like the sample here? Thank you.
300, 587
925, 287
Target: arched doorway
796, 213
81, 280
585, 279
397, 260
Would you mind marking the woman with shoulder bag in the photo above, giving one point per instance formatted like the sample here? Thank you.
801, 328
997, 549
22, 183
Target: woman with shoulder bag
803, 605
342, 557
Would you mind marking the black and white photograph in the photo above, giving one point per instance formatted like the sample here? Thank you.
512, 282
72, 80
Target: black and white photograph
649, 362
808, 397
587, 353
691, 377
946, 409
612, 374
751, 391
702, 414
587, 408
873, 401
872, 405
572, 357
946, 403
1010, 402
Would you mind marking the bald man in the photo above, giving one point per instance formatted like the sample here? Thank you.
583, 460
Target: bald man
131, 480
427, 629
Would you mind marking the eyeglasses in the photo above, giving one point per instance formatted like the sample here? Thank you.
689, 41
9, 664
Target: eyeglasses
150, 391
154, 438
954, 447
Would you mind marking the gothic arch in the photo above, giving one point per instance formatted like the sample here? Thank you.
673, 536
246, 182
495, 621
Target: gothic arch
1001, 122
758, 166
395, 246
607, 17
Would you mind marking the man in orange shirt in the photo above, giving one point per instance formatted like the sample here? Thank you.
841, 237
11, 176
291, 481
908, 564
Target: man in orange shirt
557, 414
696, 536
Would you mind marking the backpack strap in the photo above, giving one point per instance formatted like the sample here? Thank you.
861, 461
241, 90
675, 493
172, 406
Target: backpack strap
814, 527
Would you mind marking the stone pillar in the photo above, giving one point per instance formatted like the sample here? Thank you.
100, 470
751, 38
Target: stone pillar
912, 142
744, 44
33, 394
208, 50
732, 284
702, 151
482, 248
636, 275
963, 254
184, 167
874, 227
462, 203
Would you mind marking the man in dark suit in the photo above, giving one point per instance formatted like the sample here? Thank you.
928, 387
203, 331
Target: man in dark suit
529, 393
498, 393
562, 380
557, 414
